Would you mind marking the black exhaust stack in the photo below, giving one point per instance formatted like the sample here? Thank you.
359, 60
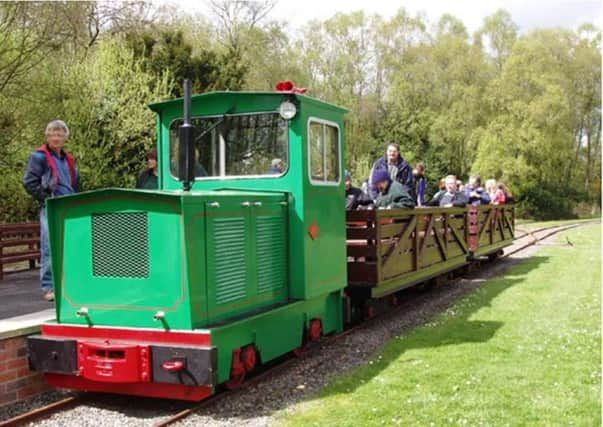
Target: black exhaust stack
186, 149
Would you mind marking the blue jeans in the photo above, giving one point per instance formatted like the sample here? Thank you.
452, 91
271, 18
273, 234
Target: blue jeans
45, 272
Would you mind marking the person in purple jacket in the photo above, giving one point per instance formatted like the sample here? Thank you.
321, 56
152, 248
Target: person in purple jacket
420, 183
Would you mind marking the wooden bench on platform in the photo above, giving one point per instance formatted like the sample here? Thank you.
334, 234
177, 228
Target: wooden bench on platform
24, 241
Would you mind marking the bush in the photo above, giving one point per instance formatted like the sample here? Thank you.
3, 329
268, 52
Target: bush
548, 204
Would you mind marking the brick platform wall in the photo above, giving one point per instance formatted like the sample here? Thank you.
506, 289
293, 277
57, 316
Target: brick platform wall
17, 382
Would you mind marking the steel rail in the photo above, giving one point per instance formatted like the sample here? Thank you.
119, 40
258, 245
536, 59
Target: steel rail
555, 229
42, 412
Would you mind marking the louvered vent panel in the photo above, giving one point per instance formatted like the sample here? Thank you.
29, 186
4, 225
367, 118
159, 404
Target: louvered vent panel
229, 252
120, 245
270, 253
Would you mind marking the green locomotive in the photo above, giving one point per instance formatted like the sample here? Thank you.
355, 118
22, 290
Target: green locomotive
238, 258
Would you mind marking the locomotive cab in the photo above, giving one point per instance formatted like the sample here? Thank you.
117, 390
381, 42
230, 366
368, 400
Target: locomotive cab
246, 266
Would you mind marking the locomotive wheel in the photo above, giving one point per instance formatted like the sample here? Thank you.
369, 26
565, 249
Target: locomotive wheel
300, 351
315, 331
237, 371
249, 357
235, 381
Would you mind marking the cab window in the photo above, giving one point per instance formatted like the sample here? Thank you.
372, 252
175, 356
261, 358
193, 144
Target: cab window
236, 146
323, 141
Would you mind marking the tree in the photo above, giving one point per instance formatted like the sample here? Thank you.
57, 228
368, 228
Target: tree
500, 34
238, 21
28, 34
530, 139
166, 51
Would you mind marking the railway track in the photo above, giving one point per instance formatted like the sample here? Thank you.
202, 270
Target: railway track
43, 412
541, 234
525, 239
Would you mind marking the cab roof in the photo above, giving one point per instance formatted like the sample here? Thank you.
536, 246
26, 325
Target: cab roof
224, 95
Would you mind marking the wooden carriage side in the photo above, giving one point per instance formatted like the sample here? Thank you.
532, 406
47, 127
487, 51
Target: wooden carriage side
491, 229
392, 249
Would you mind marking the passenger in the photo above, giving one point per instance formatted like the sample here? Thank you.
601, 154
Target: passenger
392, 194
365, 188
50, 172
460, 186
441, 189
506, 192
199, 169
399, 170
450, 197
491, 187
148, 178
420, 183
475, 193
442, 184
499, 197
353, 195
276, 167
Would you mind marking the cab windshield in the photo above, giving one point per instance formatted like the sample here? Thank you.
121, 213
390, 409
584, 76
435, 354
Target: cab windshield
236, 145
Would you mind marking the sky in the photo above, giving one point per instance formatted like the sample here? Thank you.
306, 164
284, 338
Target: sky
528, 14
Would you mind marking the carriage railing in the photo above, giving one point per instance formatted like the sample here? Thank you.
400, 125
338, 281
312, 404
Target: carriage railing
384, 246
495, 228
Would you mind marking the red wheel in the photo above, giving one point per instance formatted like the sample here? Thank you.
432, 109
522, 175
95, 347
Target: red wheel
249, 357
301, 350
370, 312
237, 371
315, 331
235, 381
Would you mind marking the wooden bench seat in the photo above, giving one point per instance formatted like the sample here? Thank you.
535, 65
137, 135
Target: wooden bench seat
19, 242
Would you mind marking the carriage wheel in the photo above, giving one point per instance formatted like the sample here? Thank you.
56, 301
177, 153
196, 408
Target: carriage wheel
369, 312
394, 300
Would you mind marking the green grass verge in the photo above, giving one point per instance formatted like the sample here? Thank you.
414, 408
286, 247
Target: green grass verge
524, 349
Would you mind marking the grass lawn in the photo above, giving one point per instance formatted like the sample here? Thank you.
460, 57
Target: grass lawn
524, 349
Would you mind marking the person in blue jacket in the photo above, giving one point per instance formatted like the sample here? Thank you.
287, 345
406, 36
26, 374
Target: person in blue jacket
450, 197
474, 192
50, 172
